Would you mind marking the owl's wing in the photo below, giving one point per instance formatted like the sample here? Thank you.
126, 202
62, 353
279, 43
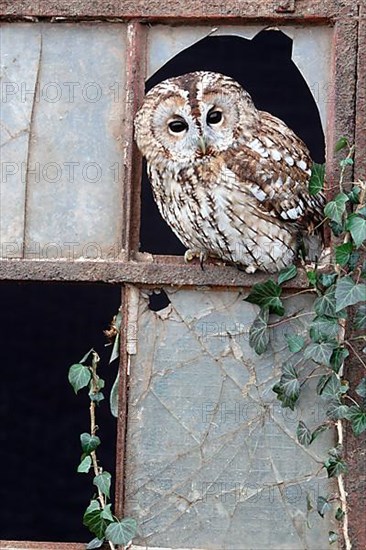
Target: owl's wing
275, 166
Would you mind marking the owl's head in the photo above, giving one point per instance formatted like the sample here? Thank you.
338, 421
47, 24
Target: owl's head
192, 116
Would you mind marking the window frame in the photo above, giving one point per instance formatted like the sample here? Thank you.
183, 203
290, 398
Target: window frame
347, 108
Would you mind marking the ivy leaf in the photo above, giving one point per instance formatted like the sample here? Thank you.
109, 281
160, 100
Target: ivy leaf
303, 434
337, 228
349, 293
357, 227
338, 357
295, 342
103, 482
79, 376
287, 274
332, 537
327, 279
319, 430
95, 543
354, 195
337, 410
288, 388
361, 388
332, 388
84, 465
267, 295
113, 398
339, 515
335, 466
96, 397
324, 329
89, 442
353, 260
323, 505
343, 253
341, 144
107, 512
357, 417
93, 519
312, 278
335, 209
325, 304
316, 182
360, 317
121, 532
320, 352
259, 333
346, 162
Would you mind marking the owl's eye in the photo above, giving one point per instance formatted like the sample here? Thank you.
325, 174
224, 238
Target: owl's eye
214, 116
178, 126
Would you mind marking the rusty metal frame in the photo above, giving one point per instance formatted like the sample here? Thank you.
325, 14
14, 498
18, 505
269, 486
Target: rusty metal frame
144, 269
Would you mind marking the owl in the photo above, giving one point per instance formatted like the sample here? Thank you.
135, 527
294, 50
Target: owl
231, 181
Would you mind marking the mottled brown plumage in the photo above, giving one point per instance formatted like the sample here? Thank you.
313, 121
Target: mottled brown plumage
231, 181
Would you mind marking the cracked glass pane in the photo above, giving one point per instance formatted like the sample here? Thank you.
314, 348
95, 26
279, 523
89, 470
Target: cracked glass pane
61, 125
212, 459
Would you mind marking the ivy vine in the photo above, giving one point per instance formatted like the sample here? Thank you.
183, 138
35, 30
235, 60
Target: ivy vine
339, 289
99, 517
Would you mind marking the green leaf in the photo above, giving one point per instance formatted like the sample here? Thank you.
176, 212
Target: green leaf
259, 333
332, 537
95, 543
343, 253
121, 532
96, 397
267, 295
312, 278
107, 513
337, 228
288, 388
303, 434
84, 465
93, 519
323, 506
79, 376
287, 274
316, 182
319, 430
360, 317
354, 195
346, 162
357, 417
89, 442
361, 388
335, 466
332, 388
337, 410
324, 329
327, 279
339, 515
320, 352
357, 227
338, 357
353, 260
295, 342
325, 304
113, 398
103, 482
341, 144
335, 209
349, 293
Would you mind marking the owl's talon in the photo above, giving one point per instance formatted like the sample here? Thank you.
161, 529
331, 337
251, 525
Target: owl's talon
190, 254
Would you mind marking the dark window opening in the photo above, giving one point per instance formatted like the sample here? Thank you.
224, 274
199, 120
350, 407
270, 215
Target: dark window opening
158, 300
46, 328
265, 69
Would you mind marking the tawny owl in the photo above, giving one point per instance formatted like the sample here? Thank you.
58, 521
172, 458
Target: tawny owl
230, 180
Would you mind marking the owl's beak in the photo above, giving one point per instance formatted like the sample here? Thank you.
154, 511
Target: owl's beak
202, 144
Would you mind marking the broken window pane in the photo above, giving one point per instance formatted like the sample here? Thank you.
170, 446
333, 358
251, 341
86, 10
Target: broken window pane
212, 458
62, 113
